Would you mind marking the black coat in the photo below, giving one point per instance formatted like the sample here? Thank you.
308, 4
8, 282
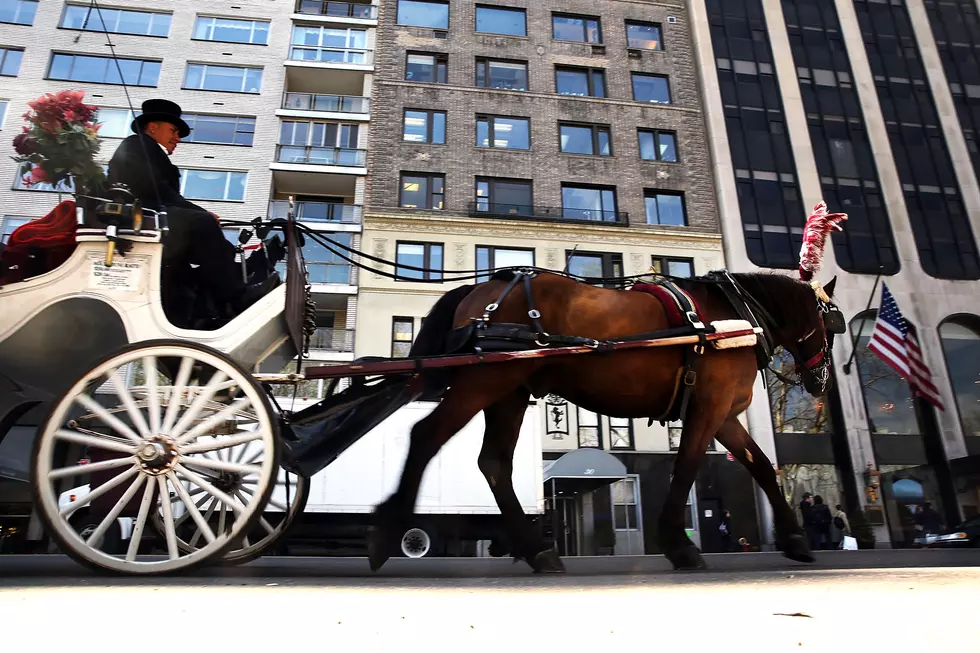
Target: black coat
129, 166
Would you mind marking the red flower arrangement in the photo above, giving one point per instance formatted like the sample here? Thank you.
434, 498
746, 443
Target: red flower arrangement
60, 141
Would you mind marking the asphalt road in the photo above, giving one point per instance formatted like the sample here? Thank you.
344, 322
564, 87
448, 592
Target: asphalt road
882, 600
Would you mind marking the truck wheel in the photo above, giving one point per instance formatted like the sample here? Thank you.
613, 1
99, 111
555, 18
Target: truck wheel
416, 543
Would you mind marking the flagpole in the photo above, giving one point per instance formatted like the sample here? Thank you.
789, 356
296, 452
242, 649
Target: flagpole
854, 338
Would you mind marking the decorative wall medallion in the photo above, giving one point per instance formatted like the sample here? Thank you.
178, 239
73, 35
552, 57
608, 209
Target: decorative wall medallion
380, 244
460, 258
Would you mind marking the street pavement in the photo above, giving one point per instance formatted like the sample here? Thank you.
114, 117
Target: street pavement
846, 601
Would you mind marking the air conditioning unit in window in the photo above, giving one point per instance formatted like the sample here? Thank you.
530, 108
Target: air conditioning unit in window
634, 53
598, 49
440, 34
671, 19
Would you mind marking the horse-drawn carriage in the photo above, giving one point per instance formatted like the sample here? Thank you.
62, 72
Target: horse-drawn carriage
179, 429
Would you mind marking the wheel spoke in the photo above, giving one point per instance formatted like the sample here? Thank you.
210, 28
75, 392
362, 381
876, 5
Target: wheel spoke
202, 525
102, 489
107, 418
168, 518
221, 519
273, 502
137, 535
242, 452
135, 414
213, 421
91, 467
176, 392
223, 466
262, 521
106, 443
116, 509
219, 444
194, 478
195, 408
186, 515
152, 398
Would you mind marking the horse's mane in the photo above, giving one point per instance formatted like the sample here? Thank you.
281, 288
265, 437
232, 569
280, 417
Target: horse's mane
789, 301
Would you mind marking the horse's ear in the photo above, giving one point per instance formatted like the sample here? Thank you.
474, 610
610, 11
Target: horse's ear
829, 288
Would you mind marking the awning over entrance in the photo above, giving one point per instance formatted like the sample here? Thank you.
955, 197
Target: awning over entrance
583, 470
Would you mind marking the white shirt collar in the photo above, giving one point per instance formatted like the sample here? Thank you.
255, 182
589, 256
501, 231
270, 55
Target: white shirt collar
164, 149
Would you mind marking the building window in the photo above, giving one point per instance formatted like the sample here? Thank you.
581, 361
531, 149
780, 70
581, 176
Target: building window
495, 73
665, 208
64, 186
624, 500
589, 434
326, 266
230, 30
422, 191
219, 130
674, 432
428, 68
3, 111
960, 337
19, 12
117, 21
421, 126
793, 409
232, 79
402, 335
419, 255
304, 133
501, 20
597, 203
887, 397
421, 13
220, 185
114, 123
656, 145
675, 267
10, 59
595, 266
644, 36
569, 27
620, 433
103, 70
10, 223
504, 196
585, 139
503, 133
651, 88
584, 82
329, 45
489, 259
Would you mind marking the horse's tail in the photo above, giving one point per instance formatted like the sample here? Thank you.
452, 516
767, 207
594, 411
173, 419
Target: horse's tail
431, 340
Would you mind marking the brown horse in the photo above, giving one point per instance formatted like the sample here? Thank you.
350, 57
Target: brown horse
632, 383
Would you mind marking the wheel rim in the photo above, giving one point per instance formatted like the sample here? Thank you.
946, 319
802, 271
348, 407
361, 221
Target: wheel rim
415, 543
154, 448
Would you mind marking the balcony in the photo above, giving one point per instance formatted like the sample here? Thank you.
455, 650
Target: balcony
328, 157
321, 212
343, 56
329, 9
328, 339
326, 103
548, 213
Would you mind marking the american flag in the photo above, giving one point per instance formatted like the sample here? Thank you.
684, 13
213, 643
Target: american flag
894, 342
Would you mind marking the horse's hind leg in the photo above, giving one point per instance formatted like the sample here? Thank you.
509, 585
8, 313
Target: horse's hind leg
704, 419
789, 536
471, 392
503, 428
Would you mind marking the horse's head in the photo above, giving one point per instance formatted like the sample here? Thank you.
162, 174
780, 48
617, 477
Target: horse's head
808, 335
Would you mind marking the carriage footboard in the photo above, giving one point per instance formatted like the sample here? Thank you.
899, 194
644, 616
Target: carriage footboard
314, 437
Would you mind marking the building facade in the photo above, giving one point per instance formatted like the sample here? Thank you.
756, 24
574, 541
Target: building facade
870, 106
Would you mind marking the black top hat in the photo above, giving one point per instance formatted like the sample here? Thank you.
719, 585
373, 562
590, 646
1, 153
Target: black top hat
164, 110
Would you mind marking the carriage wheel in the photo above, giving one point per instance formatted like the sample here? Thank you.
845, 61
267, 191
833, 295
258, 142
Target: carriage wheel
147, 453
288, 500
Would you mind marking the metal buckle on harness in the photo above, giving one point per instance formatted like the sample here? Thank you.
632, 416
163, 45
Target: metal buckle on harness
537, 339
534, 314
690, 377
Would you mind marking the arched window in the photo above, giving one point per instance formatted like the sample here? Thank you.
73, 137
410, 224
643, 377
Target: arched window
794, 410
960, 336
887, 397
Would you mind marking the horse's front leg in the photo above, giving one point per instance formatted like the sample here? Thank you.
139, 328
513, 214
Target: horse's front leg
704, 419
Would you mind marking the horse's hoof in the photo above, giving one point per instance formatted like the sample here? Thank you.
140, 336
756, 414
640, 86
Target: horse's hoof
548, 562
796, 548
378, 546
686, 557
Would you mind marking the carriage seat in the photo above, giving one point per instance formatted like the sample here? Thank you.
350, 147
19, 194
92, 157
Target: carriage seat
39, 246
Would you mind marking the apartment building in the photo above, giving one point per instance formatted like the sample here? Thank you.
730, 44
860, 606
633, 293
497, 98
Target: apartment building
563, 135
871, 106
277, 93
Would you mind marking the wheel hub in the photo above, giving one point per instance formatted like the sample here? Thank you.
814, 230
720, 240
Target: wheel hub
157, 455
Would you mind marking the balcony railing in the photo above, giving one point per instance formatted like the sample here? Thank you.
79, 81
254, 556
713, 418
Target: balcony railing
318, 211
330, 339
319, 102
335, 273
324, 156
331, 55
552, 213
336, 9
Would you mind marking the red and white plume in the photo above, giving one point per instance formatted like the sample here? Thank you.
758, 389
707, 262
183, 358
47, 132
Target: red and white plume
818, 226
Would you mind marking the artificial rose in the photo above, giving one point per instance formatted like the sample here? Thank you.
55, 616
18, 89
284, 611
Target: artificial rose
24, 144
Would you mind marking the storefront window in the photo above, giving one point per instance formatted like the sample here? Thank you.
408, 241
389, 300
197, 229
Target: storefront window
818, 480
794, 410
887, 398
960, 337
912, 503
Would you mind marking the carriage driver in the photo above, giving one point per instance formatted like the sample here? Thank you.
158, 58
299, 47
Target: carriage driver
195, 234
